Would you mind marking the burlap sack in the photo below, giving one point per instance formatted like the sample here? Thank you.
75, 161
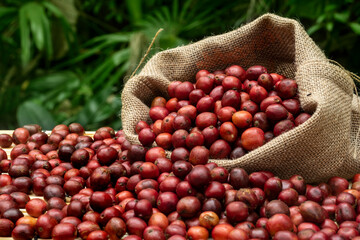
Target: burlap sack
322, 147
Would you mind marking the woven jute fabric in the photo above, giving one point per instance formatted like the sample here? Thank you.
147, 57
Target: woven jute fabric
322, 147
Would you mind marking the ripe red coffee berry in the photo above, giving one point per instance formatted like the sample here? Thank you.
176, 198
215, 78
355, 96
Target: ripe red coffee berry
199, 155
164, 140
196, 95
258, 94
166, 202
276, 112
220, 149
158, 102
171, 88
80, 158
276, 207
211, 134
260, 120
292, 105
219, 77
182, 103
146, 137
205, 104
199, 176
231, 98
242, 119
5, 140
249, 84
268, 101
149, 170
249, 106
143, 208
265, 80
228, 132
64, 231
206, 119
252, 138
107, 155
188, 111
312, 212
183, 90
286, 88
99, 201
231, 82
279, 222
182, 122
21, 135
158, 113
237, 212
253, 73
338, 185
302, 118
205, 83
188, 206
194, 139
217, 93
283, 126
225, 114
178, 138
201, 73
236, 71
276, 77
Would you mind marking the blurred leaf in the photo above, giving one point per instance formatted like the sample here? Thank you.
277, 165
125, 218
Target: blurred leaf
321, 18
101, 72
24, 36
86, 54
330, 7
53, 9
117, 76
120, 37
47, 36
96, 110
311, 30
54, 88
99, 43
52, 81
120, 56
34, 14
342, 17
68, 10
134, 8
307, 9
7, 10
63, 54
329, 26
30, 112
355, 27
63, 30
175, 9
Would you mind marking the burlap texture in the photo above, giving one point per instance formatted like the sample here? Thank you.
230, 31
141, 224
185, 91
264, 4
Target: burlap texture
322, 147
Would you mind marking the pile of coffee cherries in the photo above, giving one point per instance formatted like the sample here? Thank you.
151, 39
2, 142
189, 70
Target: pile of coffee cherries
67, 184
228, 112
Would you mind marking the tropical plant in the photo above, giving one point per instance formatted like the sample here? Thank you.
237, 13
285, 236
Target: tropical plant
66, 61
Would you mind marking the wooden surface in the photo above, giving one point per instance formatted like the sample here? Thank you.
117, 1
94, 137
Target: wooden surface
8, 150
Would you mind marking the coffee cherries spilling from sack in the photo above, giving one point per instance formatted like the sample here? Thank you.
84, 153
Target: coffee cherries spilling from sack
230, 112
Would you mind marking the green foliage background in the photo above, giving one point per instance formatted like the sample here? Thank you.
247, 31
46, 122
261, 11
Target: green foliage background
65, 61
